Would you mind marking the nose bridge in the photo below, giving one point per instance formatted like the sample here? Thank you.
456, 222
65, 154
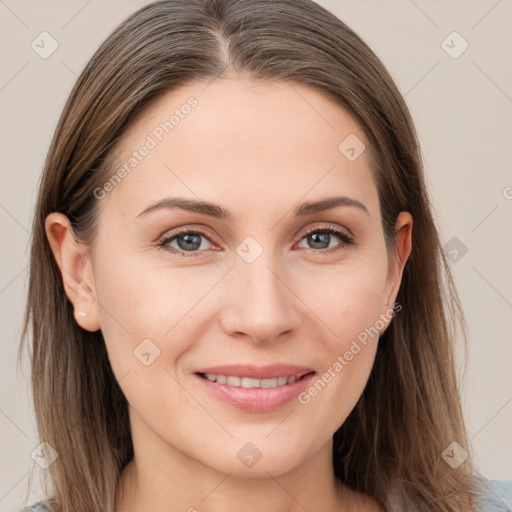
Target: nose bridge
260, 304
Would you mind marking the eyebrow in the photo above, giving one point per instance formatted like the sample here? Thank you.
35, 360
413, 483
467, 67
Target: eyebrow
218, 212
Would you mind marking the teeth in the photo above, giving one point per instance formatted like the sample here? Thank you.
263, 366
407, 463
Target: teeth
233, 381
271, 383
247, 382
221, 379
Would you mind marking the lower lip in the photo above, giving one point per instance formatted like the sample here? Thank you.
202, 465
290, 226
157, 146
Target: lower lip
256, 399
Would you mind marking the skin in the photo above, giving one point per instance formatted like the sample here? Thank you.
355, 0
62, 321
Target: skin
257, 149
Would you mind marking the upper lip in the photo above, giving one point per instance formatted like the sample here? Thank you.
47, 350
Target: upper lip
257, 372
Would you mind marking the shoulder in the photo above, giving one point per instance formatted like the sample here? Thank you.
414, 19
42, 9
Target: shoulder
40, 506
494, 496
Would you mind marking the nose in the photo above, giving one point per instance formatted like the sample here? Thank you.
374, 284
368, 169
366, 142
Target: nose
259, 302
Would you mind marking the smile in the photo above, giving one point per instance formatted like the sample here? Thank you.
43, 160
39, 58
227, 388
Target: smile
251, 394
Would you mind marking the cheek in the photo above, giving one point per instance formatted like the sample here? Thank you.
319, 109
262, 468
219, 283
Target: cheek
350, 304
137, 316
348, 299
140, 301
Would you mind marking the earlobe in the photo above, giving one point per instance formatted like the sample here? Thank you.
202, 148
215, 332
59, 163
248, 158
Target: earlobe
75, 267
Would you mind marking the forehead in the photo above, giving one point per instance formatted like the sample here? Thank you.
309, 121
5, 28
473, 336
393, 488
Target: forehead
240, 142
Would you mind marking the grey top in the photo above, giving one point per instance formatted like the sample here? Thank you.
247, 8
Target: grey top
496, 496
40, 506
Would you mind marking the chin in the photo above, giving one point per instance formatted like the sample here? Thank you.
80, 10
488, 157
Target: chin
259, 457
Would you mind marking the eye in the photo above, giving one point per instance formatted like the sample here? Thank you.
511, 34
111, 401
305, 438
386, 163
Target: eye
321, 236
189, 242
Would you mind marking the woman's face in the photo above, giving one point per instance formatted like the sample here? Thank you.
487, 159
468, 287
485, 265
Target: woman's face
180, 291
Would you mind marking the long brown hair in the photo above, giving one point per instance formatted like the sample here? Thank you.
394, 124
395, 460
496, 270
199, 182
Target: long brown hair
391, 444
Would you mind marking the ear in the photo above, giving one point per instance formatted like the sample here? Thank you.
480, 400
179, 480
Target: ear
75, 266
403, 246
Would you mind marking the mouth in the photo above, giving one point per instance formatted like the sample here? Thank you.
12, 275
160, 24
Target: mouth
253, 389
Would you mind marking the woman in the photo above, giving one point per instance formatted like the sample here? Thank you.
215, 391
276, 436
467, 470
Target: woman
227, 300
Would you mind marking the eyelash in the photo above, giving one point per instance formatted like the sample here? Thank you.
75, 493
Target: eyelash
346, 239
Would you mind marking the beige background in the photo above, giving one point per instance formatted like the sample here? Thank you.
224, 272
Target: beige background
463, 112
